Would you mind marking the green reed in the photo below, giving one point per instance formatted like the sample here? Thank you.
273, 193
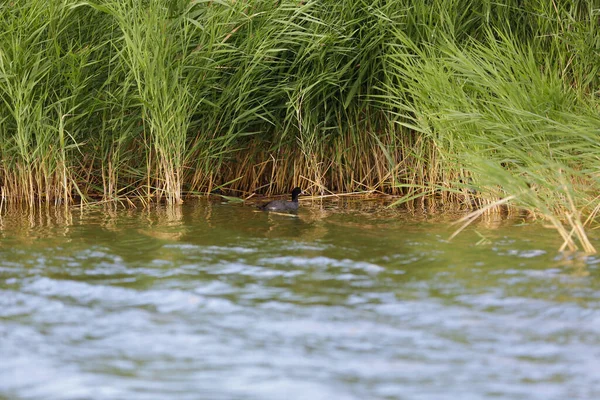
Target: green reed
472, 102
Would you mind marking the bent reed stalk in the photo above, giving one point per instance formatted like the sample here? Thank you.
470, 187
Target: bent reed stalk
471, 101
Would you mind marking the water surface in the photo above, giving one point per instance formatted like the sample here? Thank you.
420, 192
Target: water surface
216, 301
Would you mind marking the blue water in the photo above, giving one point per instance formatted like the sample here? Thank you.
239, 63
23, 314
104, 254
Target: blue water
215, 301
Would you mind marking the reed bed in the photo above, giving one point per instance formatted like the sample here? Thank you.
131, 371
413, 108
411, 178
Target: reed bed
479, 103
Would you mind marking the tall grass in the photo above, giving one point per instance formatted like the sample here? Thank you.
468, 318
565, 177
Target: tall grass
506, 121
471, 101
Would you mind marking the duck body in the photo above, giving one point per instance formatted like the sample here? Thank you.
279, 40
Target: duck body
282, 205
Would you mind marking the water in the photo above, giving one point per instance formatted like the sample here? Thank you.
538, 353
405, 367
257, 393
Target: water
216, 301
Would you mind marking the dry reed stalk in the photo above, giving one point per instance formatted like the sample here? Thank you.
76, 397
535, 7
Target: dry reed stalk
472, 216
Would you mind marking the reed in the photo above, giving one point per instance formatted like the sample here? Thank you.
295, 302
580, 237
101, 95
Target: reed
470, 102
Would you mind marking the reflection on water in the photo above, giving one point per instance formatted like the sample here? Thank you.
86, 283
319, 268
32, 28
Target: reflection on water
342, 301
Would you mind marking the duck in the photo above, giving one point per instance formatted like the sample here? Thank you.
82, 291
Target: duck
282, 205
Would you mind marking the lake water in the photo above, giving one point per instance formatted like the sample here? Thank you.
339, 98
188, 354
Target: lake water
216, 301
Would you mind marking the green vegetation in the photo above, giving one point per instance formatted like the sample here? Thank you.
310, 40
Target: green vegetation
475, 102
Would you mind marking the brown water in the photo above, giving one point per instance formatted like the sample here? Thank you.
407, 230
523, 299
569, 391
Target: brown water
216, 301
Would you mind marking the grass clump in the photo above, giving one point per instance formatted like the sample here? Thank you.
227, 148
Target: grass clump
504, 123
473, 102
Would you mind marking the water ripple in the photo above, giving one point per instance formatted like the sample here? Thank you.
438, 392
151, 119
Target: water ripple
217, 302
